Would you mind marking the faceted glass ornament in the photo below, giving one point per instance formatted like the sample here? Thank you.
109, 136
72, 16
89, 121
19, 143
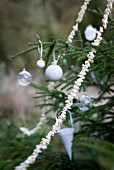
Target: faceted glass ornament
82, 107
85, 103
24, 78
85, 99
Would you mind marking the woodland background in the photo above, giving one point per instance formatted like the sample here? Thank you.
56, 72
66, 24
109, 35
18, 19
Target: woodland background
20, 21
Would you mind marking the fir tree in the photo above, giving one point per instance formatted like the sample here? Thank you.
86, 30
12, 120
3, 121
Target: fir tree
93, 147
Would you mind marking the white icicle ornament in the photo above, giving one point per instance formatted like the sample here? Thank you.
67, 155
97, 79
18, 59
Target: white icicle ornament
24, 78
54, 72
66, 135
90, 33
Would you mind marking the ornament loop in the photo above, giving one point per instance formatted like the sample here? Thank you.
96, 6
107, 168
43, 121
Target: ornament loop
40, 62
40, 49
54, 58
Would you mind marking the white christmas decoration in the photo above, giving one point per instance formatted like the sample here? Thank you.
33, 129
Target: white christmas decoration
85, 99
54, 72
78, 20
68, 103
90, 33
66, 135
24, 78
40, 63
28, 132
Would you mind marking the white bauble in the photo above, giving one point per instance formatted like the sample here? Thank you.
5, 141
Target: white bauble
90, 33
54, 72
24, 78
40, 63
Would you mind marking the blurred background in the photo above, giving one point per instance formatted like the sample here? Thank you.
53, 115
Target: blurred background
20, 21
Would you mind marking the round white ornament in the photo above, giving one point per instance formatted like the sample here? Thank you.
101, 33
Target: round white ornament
24, 78
90, 33
54, 72
40, 63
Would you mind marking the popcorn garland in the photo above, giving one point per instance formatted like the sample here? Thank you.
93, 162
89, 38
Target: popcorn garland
78, 20
28, 132
81, 76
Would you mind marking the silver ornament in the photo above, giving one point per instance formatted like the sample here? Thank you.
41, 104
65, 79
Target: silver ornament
24, 78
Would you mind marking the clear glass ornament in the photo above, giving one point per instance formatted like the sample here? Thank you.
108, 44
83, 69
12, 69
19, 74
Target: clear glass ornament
85, 103
24, 78
85, 99
82, 107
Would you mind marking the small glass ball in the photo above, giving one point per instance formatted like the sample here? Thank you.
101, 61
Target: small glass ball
40, 63
24, 78
82, 107
90, 33
85, 103
85, 99
54, 72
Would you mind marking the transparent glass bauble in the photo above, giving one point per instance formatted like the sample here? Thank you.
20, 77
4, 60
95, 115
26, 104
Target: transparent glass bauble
24, 78
85, 103
85, 99
82, 107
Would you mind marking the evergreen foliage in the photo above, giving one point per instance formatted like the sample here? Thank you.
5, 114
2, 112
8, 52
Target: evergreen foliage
93, 147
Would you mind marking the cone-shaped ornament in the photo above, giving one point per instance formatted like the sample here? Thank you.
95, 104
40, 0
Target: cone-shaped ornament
66, 135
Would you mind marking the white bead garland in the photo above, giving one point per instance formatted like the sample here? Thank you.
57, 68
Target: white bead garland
78, 20
45, 141
28, 132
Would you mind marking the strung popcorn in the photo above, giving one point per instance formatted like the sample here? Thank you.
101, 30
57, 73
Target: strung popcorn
24, 78
90, 33
85, 103
69, 102
28, 132
78, 20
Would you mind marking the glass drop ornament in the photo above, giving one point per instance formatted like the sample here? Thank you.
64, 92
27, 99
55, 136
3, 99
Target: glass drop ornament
24, 78
54, 72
